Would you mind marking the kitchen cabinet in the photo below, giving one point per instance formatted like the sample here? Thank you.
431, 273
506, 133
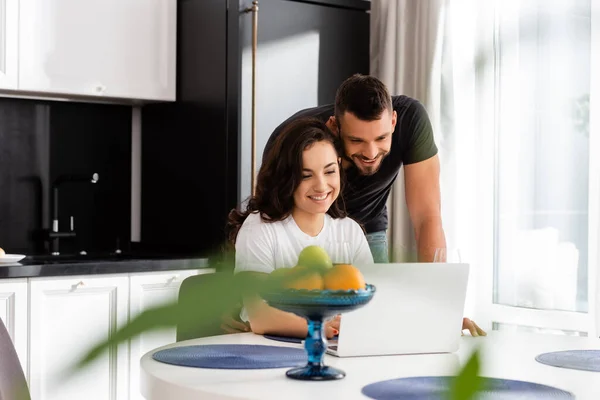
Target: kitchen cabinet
67, 317
9, 34
147, 291
196, 153
13, 312
117, 49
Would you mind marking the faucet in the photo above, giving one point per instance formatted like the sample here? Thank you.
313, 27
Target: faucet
54, 235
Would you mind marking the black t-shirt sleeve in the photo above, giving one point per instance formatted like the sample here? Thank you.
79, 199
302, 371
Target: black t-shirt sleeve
417, 132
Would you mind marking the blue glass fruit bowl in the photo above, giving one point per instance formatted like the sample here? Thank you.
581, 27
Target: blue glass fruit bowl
316, 306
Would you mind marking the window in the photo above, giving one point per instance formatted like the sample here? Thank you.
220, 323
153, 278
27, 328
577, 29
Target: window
544, 198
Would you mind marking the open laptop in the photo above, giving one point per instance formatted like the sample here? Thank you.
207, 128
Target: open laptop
417, 308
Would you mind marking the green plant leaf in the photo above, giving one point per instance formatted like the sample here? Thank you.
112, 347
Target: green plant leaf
198, 313
202, 308
467, 383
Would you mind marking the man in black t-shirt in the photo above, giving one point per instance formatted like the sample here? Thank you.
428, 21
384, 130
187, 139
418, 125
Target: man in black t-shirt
378, 134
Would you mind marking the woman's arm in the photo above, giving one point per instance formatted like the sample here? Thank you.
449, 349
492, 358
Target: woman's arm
266, 320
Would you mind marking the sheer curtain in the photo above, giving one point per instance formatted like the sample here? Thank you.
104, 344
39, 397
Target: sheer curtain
546, 201
403, 40
510, 92
413, 54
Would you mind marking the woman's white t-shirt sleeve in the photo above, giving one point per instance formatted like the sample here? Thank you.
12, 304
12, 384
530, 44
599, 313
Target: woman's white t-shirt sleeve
254, 249
362, 252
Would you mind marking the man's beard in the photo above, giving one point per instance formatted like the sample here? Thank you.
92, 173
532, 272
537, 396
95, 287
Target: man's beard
366, 169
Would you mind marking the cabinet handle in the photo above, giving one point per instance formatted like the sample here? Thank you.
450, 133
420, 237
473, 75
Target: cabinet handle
75, 286
254, 10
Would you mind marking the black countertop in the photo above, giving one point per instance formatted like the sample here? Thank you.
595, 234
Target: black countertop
32, 267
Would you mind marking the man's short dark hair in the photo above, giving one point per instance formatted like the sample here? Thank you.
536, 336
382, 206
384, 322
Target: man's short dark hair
364, 96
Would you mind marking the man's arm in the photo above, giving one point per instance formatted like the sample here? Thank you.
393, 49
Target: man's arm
422, 187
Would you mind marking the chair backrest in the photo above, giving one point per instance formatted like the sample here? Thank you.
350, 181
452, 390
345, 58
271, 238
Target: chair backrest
191, 287
13, 385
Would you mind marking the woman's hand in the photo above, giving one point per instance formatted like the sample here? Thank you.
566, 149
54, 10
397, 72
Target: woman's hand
231, 325
472, 327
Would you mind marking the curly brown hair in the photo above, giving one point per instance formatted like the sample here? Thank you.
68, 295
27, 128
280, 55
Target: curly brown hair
281, 174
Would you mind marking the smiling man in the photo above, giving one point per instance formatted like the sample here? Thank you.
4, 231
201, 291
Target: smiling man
379, 134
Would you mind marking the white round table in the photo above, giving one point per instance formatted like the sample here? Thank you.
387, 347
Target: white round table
504, 355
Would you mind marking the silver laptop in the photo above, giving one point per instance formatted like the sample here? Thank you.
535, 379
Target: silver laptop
418, 308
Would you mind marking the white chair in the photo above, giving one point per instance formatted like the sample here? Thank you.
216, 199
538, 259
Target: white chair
13, 385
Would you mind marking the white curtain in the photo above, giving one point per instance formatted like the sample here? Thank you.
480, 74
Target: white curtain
403, 43
412, 52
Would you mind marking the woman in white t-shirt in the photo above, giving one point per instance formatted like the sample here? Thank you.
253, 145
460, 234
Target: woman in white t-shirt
296, 204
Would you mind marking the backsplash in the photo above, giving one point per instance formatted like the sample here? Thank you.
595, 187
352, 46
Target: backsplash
41, 140
24, 172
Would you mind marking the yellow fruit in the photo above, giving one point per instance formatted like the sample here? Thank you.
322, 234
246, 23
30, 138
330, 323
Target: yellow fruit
2, 253
303, 278
344, 277
315, 257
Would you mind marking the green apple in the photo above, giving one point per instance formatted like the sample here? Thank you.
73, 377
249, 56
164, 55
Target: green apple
315, 257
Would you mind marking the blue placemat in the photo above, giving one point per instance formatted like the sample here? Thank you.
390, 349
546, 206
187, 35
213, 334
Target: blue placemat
585, 360
233, 356
436, 388
286, 339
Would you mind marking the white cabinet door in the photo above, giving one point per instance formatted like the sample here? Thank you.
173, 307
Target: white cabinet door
9, 41
68, 316
112, 48
13, 311
149, 290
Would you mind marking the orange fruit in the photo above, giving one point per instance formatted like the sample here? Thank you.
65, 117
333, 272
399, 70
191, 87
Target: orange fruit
344, 277
304, 278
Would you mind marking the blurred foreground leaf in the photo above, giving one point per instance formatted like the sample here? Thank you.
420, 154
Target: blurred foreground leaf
467, 383
201, 310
